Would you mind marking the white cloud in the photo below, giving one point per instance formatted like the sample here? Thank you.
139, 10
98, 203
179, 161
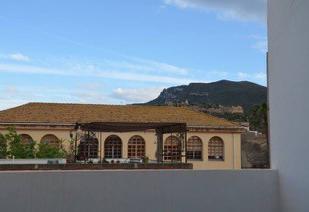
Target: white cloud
13, 95
81, 70
135, 95
27, 69
134, 70
5, 104
242, 75
10, 90
245, 10
163, 67
137, 64
261, 45
259, 77
18, 57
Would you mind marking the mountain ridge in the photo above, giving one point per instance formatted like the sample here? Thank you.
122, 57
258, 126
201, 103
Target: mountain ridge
223, 93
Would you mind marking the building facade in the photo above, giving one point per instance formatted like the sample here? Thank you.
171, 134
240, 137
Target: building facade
211, 143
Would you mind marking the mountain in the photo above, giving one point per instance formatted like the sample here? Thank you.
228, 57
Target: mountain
220, 94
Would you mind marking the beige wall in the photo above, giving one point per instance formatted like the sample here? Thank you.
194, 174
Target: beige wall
232, 149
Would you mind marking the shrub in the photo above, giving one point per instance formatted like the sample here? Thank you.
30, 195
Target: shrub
146, 160
49, 151
3, 147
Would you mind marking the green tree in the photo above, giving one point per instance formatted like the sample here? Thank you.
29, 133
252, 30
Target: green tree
3, 147
18, 149
258, 118
49, 151
29, 150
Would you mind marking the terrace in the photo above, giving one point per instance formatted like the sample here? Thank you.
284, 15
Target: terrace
285, 188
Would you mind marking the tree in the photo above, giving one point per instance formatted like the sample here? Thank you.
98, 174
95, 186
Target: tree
18, 149
3, 147
70, 154
49, 151
258, 118
29, 150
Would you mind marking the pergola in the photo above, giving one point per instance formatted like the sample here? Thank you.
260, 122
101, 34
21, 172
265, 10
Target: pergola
120, 127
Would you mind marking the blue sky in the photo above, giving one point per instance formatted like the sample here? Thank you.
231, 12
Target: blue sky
119, 52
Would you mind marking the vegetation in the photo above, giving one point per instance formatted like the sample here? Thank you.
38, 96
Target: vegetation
146, 160
237, 117
258, 150
3, 147
12, 146
70, 153
258, 118
205, 95
49, 151
18, 149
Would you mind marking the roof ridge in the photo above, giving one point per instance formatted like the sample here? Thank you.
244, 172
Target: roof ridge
68, 103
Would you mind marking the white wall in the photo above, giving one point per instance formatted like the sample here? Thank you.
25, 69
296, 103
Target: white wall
288, 25
139, 191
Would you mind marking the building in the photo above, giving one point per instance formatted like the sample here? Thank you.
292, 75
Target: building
210, 142
288, 74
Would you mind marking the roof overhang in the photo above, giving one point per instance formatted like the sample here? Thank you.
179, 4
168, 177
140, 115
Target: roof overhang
163, 127
122, 126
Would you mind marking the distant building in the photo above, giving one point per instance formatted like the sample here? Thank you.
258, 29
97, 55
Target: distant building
212, 143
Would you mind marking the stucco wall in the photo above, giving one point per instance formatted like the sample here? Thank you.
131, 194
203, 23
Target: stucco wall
288, 25
139, 191
232, 149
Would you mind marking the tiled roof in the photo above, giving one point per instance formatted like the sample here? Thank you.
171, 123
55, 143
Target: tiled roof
58, 113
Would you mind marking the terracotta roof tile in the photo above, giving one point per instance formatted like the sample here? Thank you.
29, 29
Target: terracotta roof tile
72, 113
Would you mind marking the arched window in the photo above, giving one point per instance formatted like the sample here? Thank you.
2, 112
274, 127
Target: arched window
51, 139
88, 147
194, 148
136, 147
216, 149
113, 147
172, 149
26, 139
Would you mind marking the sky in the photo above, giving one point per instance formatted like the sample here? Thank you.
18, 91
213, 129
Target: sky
122, 52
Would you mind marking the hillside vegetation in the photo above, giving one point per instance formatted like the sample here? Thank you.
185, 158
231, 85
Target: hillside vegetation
213, 95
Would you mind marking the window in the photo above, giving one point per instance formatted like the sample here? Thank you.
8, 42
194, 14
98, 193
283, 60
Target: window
172, 149
26, 139
88, 147
216, 149
136, 147
194, 148
51, 140
113, 147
